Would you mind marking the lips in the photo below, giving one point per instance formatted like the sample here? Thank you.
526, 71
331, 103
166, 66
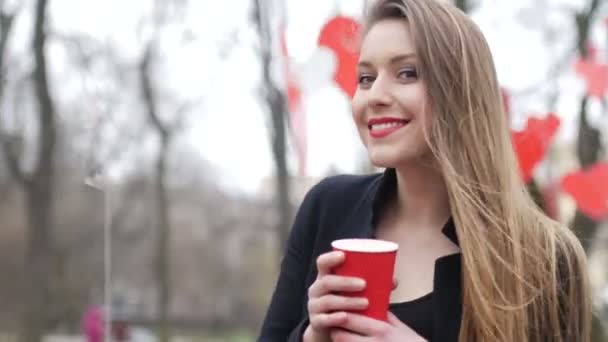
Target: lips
382, 127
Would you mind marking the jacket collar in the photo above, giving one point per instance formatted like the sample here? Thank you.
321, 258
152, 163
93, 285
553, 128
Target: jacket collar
383, 189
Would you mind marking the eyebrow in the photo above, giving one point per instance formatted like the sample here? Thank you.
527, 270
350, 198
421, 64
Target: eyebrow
393, 60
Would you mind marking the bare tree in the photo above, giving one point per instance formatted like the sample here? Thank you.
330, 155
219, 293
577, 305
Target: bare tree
277, 108
589, 138
164, 133
6, 25
589, 144
37, 185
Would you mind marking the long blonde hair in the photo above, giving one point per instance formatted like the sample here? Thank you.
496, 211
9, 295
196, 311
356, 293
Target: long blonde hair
524, 276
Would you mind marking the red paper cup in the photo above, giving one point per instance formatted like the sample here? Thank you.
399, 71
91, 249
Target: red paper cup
374, 261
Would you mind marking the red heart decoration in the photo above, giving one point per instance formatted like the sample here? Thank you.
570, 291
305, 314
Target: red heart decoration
531, 144
594, 72
589, 188
343, 36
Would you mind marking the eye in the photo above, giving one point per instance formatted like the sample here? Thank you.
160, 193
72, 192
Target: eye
408, 74
365, 80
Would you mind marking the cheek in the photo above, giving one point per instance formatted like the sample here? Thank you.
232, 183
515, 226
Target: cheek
358, 112
413, 100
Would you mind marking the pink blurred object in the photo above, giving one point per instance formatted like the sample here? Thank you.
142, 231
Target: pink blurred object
93, 323
297, 116
594, 72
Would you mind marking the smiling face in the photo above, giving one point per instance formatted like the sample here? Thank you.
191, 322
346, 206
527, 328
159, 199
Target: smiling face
390, 101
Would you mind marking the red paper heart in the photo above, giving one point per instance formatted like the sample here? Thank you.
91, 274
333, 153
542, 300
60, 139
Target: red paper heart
342, 36
594, 72
589, 188
531, 144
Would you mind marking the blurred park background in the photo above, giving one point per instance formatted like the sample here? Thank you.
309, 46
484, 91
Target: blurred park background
153, 152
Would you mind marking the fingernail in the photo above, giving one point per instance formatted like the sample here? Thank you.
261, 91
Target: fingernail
359, 283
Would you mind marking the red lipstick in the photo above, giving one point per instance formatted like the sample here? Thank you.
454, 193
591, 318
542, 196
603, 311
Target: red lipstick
382, 127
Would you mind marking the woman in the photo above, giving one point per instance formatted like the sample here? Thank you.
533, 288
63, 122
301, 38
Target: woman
428, 108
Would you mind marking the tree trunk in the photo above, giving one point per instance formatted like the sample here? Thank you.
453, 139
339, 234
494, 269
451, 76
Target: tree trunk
38, 259
588, 151
589, 138
277, 105
164, 238
163, 261
39, 193
277, 108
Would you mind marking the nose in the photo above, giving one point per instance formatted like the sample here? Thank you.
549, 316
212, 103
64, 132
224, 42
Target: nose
379, 94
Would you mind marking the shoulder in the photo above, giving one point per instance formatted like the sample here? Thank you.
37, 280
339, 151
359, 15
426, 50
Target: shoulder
566, 249
573, 288
569, 251
344, 188
558, 265
327, 204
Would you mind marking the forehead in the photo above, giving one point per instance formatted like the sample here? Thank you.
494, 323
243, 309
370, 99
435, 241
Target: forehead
386, 38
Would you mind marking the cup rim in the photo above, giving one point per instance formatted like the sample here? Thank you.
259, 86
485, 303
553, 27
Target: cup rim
365, 245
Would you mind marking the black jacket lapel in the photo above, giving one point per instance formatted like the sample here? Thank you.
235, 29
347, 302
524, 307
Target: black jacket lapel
447, 298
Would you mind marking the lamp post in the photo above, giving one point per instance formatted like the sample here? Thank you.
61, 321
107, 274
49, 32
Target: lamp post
99, 181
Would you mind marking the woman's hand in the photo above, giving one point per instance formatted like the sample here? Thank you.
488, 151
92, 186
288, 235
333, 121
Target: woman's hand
326, 308
358, 328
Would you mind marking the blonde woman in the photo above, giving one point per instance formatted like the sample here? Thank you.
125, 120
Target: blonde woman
477, 260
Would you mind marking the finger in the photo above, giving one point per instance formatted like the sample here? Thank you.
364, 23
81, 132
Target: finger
324, 321
395, 283
331, 303
396, 322
327, 261
364, 325
341, 335
393, 320
334, 283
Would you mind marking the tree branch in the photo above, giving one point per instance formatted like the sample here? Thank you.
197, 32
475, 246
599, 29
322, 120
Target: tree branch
148, 93
10, 143
584, 20
10, 147
46, 110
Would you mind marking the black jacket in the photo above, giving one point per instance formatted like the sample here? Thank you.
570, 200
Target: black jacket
347, 207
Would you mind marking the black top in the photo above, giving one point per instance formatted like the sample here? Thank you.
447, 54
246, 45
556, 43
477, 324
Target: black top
416, 314
348, 207
340, 207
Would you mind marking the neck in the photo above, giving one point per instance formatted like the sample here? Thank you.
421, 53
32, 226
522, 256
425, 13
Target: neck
422, 197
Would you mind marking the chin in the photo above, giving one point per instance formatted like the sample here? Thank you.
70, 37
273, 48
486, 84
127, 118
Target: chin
385, 158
